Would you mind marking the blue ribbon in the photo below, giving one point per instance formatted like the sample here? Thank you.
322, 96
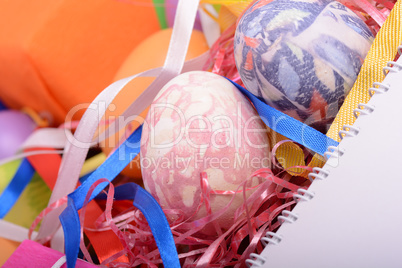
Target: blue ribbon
85, 177
70, 221
276, 120
112, 166
16, 186
154, 215
288, 126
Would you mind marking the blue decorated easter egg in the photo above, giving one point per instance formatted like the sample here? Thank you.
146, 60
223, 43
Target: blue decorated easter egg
301, 56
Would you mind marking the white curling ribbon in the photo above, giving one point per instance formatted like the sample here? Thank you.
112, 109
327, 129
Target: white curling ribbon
47, 138
60, 262
57, 138
147, 96
77, 149
41, 138
26, 154
210, 27
13, 232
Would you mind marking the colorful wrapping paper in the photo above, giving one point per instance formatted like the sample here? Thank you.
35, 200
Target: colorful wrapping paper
44, 75
34, 255
58, 54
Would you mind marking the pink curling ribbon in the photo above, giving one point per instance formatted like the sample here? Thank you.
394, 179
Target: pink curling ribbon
221, 57
77, 148
135, 235
54, 205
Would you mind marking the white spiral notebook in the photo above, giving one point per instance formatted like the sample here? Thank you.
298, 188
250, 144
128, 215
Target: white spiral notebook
354, 218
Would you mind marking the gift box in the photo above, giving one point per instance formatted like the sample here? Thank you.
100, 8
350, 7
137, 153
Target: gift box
271, 95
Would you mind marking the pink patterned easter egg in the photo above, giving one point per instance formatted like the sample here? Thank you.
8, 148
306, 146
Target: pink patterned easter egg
199, 122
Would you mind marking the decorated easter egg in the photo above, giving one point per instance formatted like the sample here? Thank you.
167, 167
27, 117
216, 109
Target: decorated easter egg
151, 53
301, 57
15, 128
199, 122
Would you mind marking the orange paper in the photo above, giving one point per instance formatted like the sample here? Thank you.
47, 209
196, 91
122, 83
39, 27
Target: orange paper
151, 53
7, 248
57, 54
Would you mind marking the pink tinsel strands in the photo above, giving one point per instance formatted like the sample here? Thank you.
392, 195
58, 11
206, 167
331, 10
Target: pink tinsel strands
253, 219
231, 247
245, 234
222, 59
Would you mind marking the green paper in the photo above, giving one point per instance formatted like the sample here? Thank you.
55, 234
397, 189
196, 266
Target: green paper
161, 13
7, 172
32, 201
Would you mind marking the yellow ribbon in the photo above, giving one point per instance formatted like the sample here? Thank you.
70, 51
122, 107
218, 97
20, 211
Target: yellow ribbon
229, 11
288, 154
383, 49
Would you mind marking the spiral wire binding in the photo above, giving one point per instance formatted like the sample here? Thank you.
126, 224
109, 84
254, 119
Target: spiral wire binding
363, 108
287, 216
378, 88
348, 131
303, 195
255, 260
333, 151
271, 237
318, 173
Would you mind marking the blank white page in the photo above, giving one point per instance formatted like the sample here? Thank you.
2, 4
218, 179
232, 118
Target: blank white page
355, 218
